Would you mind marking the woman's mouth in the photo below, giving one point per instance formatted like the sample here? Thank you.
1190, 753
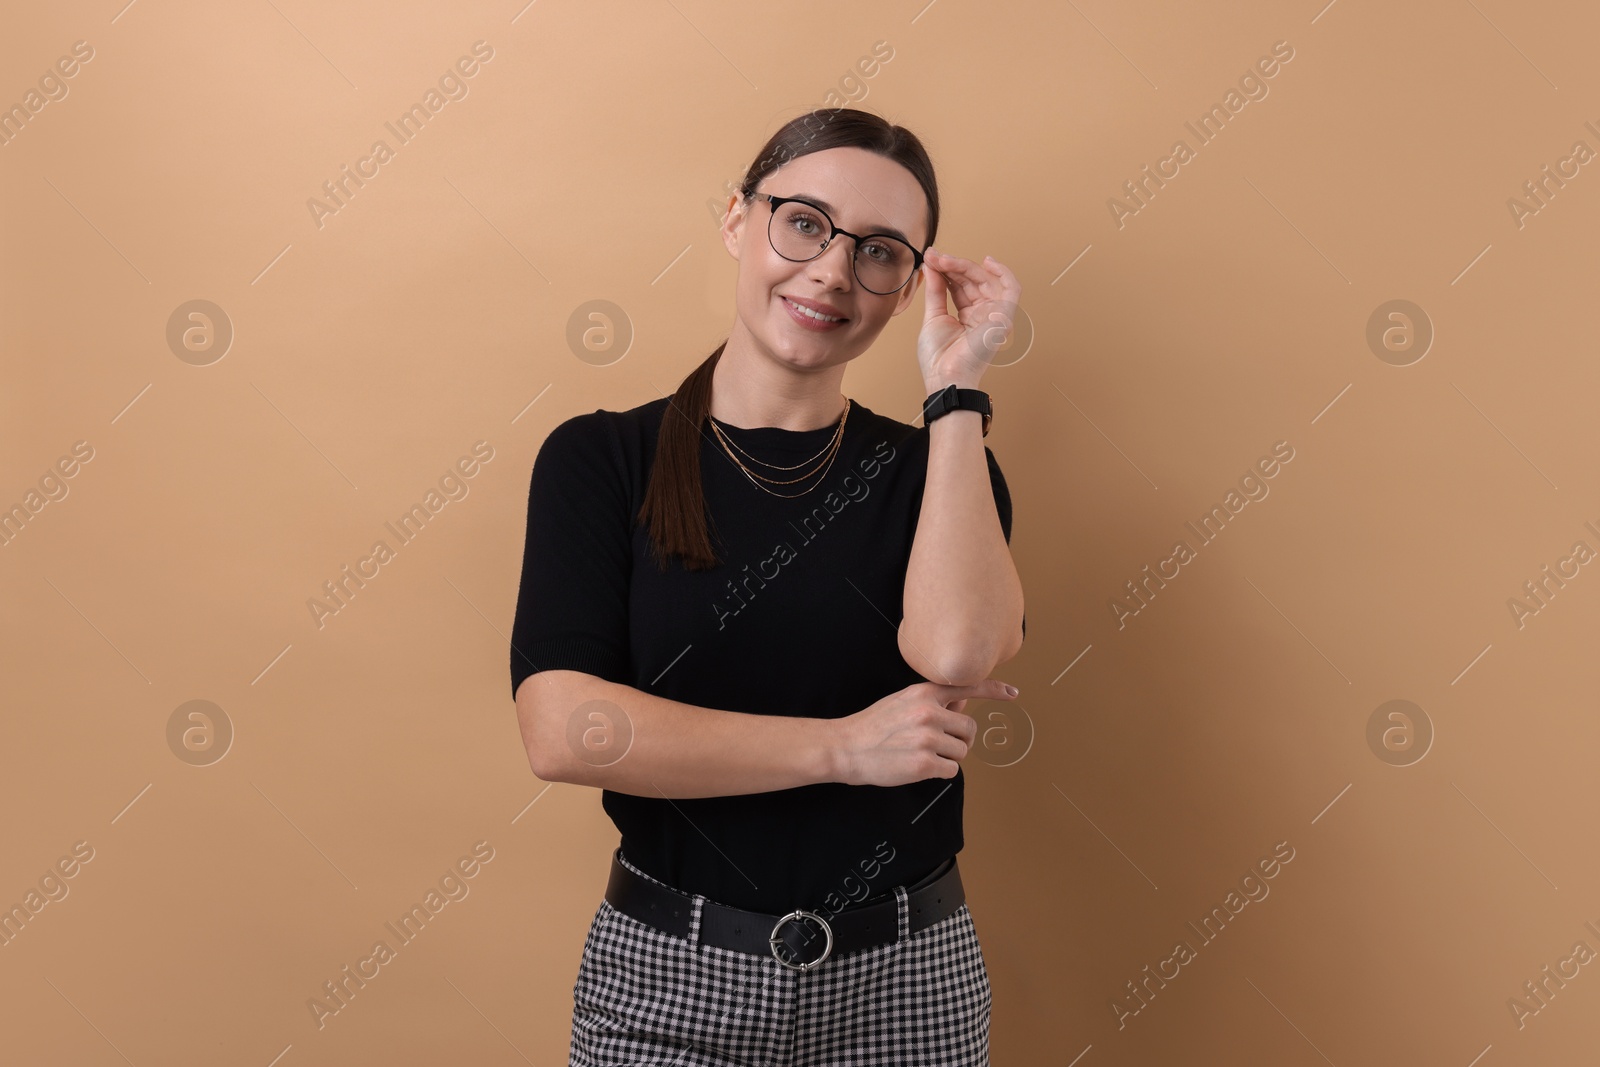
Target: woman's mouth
811, 320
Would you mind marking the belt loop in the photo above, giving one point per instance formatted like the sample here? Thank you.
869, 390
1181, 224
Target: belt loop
903, 913
695, 908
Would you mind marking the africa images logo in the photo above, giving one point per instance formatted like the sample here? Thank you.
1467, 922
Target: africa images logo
1252, 888
745, 588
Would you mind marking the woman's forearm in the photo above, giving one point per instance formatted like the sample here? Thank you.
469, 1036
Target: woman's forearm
963, 598
587, 731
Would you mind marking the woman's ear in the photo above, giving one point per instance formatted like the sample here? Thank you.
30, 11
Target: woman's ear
733, 222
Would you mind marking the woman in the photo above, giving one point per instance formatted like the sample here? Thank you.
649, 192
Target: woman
753, 612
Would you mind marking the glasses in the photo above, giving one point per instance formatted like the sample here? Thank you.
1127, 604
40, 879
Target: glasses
800, 231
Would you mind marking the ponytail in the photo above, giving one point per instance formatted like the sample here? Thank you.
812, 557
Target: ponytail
674, 509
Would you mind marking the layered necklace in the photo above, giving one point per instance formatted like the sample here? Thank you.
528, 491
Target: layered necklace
823, 459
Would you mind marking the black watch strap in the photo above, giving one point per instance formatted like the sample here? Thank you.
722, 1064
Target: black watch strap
953, 398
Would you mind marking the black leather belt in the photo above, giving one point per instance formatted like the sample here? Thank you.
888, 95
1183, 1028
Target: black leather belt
805, 938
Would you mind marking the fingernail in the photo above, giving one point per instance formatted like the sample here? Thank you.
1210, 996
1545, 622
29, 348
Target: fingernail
1011, 689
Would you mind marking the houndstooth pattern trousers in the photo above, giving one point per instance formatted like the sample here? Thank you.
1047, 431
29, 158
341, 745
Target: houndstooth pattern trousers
646, 997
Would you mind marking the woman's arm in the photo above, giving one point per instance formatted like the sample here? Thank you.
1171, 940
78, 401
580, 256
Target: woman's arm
583, 729
673, 749
963, 599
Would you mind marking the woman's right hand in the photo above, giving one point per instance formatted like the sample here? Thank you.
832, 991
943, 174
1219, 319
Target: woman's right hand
921, 731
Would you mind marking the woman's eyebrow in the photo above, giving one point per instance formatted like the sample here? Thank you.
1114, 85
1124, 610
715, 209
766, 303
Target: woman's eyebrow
831, 210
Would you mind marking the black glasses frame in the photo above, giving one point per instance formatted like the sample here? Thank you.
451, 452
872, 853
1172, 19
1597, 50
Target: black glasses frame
778, 201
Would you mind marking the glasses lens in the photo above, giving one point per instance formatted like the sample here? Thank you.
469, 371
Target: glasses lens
883, 264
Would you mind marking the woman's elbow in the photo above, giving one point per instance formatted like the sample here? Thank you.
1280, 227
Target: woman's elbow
543, 750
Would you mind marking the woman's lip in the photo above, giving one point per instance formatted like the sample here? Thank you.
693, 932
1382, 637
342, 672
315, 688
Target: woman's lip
807, 321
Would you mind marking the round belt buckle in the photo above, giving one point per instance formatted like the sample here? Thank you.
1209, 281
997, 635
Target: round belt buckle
775, 941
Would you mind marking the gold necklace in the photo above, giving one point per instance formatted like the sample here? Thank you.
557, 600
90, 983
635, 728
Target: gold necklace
839, 433
832, 450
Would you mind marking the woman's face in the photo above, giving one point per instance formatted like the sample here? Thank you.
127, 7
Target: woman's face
864, 193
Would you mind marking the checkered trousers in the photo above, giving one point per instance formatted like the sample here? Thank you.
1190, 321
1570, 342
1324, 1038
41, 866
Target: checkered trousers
644, 996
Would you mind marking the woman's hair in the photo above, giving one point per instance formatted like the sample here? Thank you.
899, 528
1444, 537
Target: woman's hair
674, 509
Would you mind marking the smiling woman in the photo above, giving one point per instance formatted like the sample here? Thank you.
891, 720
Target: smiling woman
767, 756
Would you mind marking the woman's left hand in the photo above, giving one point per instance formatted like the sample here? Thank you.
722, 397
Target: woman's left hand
957, 349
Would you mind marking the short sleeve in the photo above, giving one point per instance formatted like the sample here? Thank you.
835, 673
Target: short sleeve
1002, 507
1002, 493
572, 601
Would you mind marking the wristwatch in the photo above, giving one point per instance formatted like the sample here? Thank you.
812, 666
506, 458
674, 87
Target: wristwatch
951, 398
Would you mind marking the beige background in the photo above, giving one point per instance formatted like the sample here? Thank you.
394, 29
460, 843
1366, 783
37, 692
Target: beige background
1162, 359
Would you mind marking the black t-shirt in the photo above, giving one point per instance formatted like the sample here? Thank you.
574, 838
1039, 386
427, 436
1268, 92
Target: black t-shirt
800, 618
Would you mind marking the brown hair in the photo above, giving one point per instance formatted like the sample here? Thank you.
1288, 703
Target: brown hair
674, 509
